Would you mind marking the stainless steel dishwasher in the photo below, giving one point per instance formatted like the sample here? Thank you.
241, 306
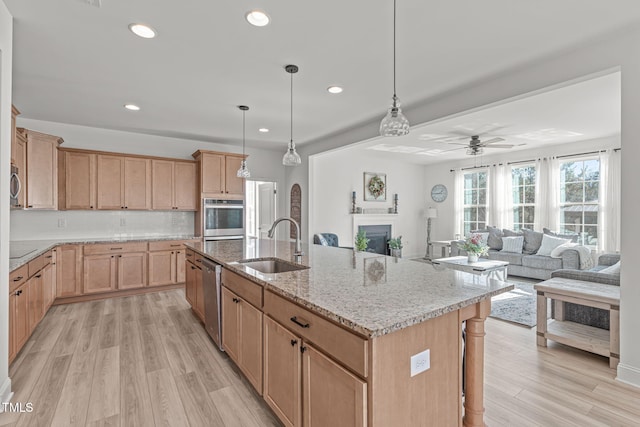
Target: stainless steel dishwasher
211, 282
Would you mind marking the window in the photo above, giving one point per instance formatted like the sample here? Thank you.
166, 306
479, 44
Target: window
475, 201
524, 195
579, 196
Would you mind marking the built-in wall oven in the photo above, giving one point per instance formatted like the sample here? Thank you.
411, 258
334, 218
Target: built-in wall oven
223, 219
16, 187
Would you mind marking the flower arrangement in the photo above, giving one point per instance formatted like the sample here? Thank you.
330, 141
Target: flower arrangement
474, 245
395, 243
361, 241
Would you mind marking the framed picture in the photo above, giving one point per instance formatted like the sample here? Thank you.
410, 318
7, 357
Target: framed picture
375, 187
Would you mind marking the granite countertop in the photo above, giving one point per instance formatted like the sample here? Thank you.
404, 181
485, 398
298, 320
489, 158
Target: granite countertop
368, 293
23, 251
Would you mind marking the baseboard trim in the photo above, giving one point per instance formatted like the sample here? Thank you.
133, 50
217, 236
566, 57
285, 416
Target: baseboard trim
629, 375
5, 392
120, 293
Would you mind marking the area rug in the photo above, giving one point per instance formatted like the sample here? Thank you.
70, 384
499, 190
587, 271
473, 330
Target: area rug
517, 305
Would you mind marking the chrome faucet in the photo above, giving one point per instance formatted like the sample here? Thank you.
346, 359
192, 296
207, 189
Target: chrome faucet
298, 251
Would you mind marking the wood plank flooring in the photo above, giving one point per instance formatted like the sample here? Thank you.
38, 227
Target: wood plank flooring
146, 361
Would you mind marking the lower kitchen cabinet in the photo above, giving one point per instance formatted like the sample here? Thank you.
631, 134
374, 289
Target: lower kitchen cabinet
193, 289
18, 320
242, 336
110, 267
48, 285
99, 273
34, 296
68, 271
167, 262
132, 270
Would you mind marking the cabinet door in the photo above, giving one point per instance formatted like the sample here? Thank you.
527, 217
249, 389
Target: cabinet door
213, 173
230, 324
184, 186
79, 181
137, 183
99, 273
332, 396
180, 265
190, 283
14, 114
48, 288
21, 162
68, 271
12, 320
42, 176
282, 379
110, 182
233, 184
20, 325
251, 344
162, 268
34, 296
162, 184
199, 308
132, 270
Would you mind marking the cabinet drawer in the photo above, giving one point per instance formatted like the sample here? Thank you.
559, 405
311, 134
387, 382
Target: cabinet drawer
246, 289
47, 257
349, 349
17, 277
167, 245
114, 248
36, 265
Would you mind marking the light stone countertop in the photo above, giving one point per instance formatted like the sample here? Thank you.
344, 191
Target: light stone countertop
368, 293
23, 251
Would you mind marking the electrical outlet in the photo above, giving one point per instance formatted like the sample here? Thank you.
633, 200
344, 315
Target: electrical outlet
62, 223
123, 222
420, 362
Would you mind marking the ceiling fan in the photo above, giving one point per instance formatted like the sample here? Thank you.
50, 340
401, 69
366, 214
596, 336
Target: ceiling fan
476, 146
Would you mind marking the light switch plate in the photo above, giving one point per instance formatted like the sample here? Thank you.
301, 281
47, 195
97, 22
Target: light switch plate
62, 223
123, 222
420, 362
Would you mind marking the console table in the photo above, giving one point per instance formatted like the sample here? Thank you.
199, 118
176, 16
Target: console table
594, 340
493, 268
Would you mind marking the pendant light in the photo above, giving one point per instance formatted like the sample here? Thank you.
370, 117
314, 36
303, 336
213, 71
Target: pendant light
243, 172
394, 123
291, 158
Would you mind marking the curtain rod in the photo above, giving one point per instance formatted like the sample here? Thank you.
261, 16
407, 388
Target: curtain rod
533, 160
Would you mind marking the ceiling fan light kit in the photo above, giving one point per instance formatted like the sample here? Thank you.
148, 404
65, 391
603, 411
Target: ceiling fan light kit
394, 123
243, 172
291, 157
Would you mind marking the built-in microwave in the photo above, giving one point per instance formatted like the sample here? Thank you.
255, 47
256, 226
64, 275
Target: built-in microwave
15, 188
223, 219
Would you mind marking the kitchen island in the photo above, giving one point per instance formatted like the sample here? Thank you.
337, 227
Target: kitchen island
357, 338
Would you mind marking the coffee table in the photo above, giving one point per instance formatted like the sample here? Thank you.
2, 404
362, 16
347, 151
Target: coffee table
492, 268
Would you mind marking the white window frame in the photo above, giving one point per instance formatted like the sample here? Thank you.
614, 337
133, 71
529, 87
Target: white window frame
593, 206
520, 204
467, 226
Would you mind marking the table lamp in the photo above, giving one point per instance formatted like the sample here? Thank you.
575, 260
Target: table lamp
430, 213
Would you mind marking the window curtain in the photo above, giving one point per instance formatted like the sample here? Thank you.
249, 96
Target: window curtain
500, 197
609, 209
458, 201
547, 210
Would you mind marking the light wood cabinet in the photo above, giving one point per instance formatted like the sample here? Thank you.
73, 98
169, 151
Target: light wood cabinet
230, 324
19, 155
14, 114
132, 270
181, 258
34, 296
167, 262
112, 266
48, 286
42, 170
233, 184
218, 177
76, 180
68, 271
110, 182
99, 273
123, 182
173, 185
18, 320
137, 183
190, 283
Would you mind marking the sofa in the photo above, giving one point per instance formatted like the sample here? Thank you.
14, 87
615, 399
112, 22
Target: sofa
590, 315
527, 263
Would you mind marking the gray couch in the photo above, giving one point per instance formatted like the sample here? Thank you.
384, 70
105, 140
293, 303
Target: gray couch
590, 315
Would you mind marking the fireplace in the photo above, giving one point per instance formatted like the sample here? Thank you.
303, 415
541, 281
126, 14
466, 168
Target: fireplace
378, 236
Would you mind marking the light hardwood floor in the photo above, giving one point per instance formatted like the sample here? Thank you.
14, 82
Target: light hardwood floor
145, 360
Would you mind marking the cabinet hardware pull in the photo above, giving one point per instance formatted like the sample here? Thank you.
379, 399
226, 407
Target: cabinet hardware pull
121, 207
49, 256
119, 256
172, 252
30, 206
192, 267
18, 292
17, 279
38, 276
111, 256
236, 300
295, 320
303, 349
175, 246
90, 207
116, 249
126, 207
199, 260
294, 342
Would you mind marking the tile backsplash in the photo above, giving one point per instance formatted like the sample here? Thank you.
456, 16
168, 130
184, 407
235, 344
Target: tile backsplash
42, 225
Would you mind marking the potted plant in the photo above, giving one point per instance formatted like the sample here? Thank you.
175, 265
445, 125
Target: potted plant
475, 247
395, 245
361, 241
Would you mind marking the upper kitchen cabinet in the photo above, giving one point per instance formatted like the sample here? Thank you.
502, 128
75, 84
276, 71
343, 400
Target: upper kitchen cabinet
14, 114
218, 174
76, 180
18, 161
123, 182
42, 170
173, 185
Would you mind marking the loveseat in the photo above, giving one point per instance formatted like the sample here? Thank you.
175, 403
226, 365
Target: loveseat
527, 263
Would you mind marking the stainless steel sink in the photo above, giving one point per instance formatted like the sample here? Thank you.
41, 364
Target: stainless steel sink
272, 265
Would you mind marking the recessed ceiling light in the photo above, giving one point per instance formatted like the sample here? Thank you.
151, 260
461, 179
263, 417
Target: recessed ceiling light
142, 30
132, 107
257, 18
263, 130
334, 89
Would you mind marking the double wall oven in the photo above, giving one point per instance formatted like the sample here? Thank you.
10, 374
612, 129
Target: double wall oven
223, 219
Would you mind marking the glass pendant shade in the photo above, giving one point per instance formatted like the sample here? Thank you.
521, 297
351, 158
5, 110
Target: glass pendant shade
243, 172
291, 157
394, 123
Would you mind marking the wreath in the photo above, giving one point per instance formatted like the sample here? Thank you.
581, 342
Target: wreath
376, 186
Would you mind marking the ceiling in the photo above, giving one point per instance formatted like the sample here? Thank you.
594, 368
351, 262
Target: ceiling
77, 63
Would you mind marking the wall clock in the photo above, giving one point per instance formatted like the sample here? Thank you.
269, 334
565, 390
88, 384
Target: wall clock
439, 193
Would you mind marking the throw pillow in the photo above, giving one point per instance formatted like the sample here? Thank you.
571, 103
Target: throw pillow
557, 251
512, 244
494, 241
532, 241
549, 243
612, 269
511, 233
571, 236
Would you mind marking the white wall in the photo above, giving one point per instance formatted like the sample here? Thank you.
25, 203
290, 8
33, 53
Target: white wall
611, 52
28, 225
336, 174
443, 227
6, 40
